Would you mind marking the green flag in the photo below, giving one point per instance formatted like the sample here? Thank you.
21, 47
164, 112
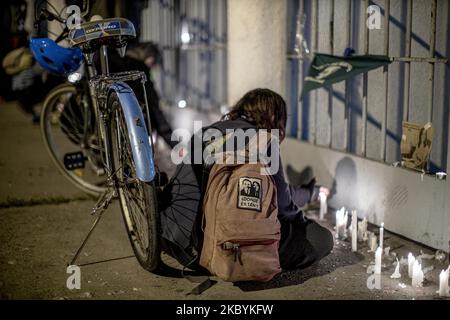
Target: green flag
326, 69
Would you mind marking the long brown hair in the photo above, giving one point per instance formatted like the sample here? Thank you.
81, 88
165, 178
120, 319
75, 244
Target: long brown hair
264, 108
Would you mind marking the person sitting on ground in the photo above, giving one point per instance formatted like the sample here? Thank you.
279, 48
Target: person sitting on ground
303, 241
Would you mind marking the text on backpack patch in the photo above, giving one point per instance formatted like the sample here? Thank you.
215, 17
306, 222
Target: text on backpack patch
249, 193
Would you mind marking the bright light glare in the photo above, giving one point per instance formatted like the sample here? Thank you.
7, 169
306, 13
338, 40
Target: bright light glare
224, 109
185, 37
182, 104
74, 77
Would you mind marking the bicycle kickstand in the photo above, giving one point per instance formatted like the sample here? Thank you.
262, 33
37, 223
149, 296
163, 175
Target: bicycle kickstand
100, 207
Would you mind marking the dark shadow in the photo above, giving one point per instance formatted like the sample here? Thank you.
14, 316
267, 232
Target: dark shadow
345, 179
171, 272
199, 278
298, 178
402, 26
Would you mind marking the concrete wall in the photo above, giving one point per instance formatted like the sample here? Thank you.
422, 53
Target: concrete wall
413, 206
256, 46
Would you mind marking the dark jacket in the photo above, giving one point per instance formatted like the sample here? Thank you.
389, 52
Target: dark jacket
290, 198
180, 202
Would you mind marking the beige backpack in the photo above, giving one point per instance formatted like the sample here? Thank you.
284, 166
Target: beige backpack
241, 228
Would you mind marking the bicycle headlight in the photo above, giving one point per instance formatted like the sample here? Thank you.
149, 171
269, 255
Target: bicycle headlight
74, 77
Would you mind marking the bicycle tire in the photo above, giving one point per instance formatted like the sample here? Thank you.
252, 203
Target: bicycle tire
149, 256
46, 113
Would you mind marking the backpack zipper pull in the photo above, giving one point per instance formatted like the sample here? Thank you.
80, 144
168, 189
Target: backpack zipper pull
236, 250
237, 253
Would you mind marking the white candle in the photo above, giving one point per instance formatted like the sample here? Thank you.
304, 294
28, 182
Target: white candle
381, 235
354, 231
365, 237
417, 277
323, 205
341, 223
362, 230
411, 261
378, 254
344, 226
396, 274
443, 283
373, 242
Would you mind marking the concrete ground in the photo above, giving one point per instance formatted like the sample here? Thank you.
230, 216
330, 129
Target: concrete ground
43, 219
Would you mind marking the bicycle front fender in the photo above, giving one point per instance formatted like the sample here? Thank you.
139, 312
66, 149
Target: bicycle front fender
137, 132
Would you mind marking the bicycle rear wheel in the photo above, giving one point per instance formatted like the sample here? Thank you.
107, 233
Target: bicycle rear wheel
64, 131
137, 199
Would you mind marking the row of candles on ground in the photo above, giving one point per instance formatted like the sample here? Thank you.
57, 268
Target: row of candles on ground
359, 232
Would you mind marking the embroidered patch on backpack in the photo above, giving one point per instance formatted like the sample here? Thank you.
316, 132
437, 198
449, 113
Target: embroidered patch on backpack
249, 193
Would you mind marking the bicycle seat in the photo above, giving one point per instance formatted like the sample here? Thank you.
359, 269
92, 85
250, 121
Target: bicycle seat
112, 32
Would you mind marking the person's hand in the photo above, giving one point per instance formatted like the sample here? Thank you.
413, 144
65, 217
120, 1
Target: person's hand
324, 190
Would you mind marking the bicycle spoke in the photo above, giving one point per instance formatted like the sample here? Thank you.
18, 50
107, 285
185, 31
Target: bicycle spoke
64, 131
132, 190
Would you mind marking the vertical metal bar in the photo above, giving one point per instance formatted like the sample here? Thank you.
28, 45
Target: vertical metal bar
347, 82
152, 21
225, 51
177, 55
448, 147
386, 79
314, 50
330, 96
365, 86
144, 25
300, 115
432, 49
161, 25
104, 60
194, 76
173, 45
408, 64
150, 24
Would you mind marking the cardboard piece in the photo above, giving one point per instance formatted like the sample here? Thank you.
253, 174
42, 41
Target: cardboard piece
416, 145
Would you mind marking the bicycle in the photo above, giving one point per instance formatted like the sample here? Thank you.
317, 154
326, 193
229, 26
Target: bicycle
116, 135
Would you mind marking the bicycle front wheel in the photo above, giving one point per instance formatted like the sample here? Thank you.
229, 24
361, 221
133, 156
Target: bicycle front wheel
137, 198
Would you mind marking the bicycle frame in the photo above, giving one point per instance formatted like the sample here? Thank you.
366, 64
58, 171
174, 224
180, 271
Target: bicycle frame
101, 87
